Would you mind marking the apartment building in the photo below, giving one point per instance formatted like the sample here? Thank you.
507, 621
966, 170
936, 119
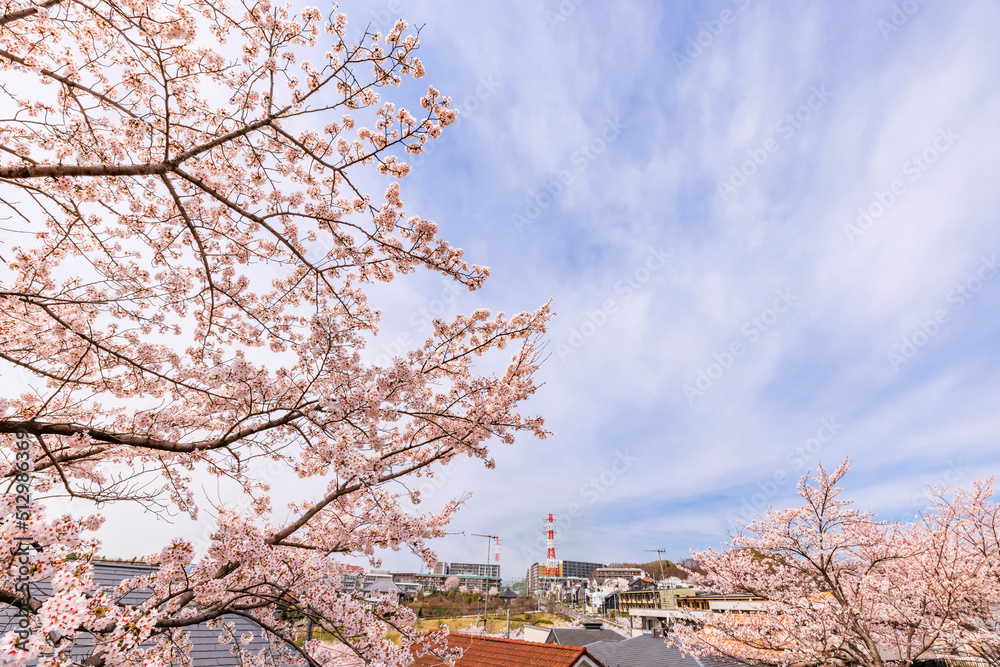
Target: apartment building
477, 569
412, 581
644, 594
599, 575
566, 571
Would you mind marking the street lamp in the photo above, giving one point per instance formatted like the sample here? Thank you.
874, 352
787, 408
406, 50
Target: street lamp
507, 596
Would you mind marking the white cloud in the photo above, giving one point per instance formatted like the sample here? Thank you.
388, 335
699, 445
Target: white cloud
655, 185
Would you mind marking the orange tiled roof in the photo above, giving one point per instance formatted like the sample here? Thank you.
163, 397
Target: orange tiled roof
494, 652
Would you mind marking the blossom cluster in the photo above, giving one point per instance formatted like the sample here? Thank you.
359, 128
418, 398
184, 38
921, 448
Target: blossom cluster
837, 586
191, 297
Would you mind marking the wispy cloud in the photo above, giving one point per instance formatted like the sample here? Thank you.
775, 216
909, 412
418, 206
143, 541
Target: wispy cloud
743, 166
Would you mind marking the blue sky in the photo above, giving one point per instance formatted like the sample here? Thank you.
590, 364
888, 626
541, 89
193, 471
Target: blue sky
588, 152
685, 180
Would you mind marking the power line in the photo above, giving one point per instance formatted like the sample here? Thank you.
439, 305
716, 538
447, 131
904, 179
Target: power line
658, 552
486, 573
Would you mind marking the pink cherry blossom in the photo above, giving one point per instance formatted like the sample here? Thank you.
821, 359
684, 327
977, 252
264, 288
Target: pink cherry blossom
189, 298
840, 587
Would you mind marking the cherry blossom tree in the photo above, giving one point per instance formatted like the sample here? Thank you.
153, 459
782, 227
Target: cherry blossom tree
838, 587
977, 517
190, 249
451, 584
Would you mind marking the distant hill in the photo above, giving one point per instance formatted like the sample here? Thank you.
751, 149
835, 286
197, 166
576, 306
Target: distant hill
669, 568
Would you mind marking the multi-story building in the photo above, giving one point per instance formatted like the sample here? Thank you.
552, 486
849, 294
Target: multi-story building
478, 569
658, 620
566, 571
602, 597
599, 575
408, 583
732, 602
574, 568
644, 594
435, 582
353, 578
379, 585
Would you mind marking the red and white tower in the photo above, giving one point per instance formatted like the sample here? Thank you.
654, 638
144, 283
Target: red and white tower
551, 568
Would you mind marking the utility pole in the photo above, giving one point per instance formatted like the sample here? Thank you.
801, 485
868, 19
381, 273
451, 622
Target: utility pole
486, 574
658, 552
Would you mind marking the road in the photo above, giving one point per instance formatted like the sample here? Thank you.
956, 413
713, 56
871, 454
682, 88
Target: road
560, 608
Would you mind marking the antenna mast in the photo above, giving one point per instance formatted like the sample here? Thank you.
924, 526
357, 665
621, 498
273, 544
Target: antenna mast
551, 568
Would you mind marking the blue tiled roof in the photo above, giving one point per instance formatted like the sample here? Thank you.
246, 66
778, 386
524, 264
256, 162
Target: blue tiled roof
206, 651
581, 636
648, 651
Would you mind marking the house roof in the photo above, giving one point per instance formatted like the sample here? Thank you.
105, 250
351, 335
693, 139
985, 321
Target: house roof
205, 647
495, 652
648, 651
382, 585
581, 636
206, 651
